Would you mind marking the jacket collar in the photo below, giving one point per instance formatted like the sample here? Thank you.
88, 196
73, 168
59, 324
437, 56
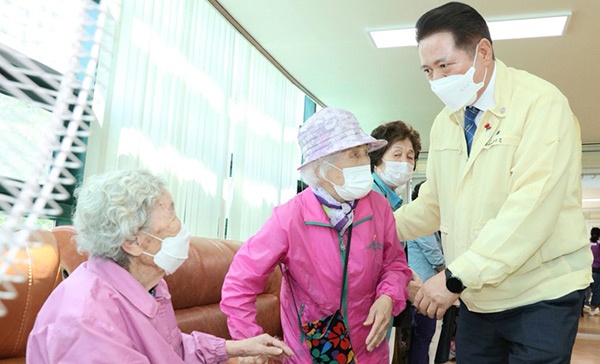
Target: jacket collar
121, 280
492, 117
494, 99
487, 101
314, 213
394, 200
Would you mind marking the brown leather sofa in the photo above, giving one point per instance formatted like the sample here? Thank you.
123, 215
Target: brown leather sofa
195, 290
39, 265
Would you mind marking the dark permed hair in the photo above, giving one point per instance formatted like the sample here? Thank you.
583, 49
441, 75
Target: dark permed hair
392, 132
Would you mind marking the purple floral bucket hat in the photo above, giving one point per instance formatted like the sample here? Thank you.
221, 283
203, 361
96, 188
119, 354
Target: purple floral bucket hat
332, 130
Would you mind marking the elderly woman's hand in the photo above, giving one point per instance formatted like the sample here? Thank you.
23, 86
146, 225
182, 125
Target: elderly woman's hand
253, 360
379, 316
413, 286
258, 349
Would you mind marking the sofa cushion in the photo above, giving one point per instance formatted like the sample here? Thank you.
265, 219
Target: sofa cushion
199, 280
196, 290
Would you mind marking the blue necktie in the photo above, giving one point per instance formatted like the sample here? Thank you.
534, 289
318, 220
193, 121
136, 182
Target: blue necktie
470, 126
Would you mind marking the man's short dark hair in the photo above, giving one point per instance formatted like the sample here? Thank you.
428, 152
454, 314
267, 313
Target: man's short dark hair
465, 24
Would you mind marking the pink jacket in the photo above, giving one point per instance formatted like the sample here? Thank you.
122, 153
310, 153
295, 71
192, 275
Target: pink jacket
299, 235
102, 314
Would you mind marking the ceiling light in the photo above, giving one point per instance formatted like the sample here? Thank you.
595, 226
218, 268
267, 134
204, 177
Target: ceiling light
591, 200
528, 28
503, 29
394, 38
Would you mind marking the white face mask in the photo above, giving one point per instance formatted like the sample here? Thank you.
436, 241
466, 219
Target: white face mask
458, 91
358, 181
396, 173
173, 251
400, 189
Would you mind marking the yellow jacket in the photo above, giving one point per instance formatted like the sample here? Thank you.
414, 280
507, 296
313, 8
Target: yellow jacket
510, 214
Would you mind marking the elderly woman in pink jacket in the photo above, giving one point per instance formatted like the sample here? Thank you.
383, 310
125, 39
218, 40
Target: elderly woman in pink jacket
344, 270
116, 307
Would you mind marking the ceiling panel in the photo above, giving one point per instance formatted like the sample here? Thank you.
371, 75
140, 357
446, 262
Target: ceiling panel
324, 45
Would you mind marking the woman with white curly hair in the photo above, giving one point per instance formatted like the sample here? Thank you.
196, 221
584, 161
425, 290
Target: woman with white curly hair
116, 306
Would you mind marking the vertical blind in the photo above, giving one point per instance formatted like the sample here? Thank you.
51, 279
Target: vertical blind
189, 98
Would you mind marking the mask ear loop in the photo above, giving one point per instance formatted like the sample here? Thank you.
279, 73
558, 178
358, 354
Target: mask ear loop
474, 61
148, 254
152, 236
155, 237
475, 58
336, 167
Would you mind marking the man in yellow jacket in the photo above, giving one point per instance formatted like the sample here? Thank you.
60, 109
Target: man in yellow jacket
506, 194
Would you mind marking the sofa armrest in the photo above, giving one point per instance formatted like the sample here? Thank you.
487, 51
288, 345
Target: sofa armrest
70, 258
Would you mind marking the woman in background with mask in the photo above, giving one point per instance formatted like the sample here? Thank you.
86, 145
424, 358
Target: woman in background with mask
116, 307
393, 166
310, 237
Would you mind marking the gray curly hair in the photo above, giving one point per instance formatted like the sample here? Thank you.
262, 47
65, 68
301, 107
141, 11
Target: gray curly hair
112, 208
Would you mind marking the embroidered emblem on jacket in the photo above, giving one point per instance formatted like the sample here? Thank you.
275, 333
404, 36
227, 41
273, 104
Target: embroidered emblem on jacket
375, 245
497, 139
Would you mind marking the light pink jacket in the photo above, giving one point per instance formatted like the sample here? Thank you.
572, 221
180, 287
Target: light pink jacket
300, 236
102, 314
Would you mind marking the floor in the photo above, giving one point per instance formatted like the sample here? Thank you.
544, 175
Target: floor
587, 344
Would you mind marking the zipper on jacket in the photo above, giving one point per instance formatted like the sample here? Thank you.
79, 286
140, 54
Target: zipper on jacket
302, 335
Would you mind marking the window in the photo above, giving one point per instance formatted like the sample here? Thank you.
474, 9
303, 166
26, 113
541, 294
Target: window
37, 41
